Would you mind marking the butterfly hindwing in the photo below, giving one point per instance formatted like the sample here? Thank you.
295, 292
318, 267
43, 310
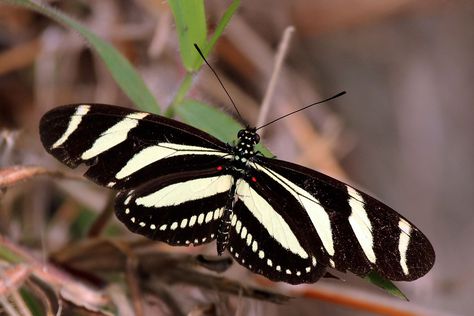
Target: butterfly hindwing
263, 239
180, 209
122, 146
359, 233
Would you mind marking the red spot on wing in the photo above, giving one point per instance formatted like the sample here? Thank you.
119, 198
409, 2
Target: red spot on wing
254, 179
219, 168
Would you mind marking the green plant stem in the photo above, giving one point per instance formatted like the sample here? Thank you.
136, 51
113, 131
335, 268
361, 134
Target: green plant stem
180, 94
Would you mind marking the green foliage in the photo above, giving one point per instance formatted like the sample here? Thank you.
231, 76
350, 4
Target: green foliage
385, 284
190, 19
81, 224
191, 58
215, 122
209, 119
33, 303
9, 256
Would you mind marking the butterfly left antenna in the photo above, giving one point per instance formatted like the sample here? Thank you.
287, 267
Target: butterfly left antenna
222, 85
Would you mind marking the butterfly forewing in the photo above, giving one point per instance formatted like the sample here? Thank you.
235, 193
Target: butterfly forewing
358, 233
180, 209
123, 147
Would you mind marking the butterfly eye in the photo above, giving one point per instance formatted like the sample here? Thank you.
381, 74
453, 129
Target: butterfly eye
257, 138
240, 133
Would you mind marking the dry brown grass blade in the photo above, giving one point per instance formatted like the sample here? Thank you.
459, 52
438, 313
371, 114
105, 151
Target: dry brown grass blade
168, 268
74, 291
48, 297
20, 304
279, 58
13, 175
355, 303
131, 271
352, 298
220, 284
13, 277
19, 56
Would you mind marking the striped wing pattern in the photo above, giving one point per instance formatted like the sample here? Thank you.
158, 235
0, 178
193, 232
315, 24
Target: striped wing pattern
357, 232
177, 183
180, 209
269, 237
124, 147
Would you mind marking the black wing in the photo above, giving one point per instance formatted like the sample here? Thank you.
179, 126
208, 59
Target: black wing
181, 209
342, 227
269, 239
124, 147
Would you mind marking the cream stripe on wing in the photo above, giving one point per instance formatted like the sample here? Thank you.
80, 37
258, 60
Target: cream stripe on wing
74, 122
405, 232
181, 192
154, 153
269, 218
114, 135
317, 214
361, 224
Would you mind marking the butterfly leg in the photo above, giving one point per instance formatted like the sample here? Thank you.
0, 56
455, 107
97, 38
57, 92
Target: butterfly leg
224, 224
259, 153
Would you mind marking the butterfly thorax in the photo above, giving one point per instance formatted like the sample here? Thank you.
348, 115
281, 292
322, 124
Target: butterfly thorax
244, 150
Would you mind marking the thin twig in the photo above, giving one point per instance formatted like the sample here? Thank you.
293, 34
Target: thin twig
182, 275
157, 289
281, 53
101, 221
13, 175
20, 303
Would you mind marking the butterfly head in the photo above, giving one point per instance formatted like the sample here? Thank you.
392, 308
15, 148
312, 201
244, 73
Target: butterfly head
249, 136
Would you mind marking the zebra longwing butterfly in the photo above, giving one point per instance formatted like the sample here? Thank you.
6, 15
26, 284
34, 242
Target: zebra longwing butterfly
183, 186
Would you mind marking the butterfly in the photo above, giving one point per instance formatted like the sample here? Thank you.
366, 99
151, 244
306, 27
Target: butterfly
182, 186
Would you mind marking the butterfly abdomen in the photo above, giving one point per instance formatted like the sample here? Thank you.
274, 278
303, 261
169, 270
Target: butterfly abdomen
224, 224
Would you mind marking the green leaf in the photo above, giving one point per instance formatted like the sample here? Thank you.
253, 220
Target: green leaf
8, 255
187, 81
225, 19
385, 284
34, 305
122, 71
190, 19
217, 123
80, 225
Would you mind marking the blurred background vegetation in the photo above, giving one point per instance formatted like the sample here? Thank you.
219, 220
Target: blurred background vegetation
403, 132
